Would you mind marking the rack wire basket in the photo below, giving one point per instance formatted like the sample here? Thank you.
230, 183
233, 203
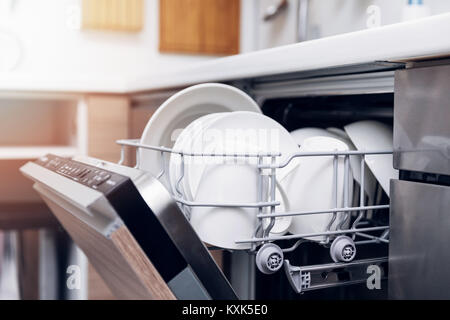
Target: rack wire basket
342, 239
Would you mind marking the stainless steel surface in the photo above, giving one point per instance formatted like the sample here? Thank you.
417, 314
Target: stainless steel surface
422, 120
302, 20
419, 259
242, 274
186, 286
322, 85
91, 206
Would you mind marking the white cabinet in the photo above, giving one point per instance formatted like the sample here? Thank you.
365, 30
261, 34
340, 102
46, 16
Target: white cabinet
280, 29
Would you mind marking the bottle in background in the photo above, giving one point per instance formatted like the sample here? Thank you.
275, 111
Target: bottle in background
415, 9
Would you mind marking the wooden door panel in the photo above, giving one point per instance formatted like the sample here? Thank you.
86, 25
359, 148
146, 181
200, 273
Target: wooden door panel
117, 15
175, 15
199, 26
221, 26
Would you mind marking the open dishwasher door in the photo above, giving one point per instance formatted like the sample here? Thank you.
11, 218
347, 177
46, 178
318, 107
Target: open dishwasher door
129, 227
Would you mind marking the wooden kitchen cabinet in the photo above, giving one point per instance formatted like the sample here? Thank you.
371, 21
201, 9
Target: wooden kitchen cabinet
199, 26
108, 119
116, 15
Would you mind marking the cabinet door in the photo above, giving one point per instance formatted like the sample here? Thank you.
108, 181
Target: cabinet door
108, 121
278, 30
199, 26
118, 15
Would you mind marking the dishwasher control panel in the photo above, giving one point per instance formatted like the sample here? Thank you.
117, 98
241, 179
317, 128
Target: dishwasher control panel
90, 176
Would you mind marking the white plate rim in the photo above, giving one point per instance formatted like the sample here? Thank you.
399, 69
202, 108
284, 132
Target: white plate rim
152, 135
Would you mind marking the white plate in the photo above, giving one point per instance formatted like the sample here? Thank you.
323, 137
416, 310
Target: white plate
242, 126
375, 136
220, 180
183, 142
180, 110
226, 182
310, 187
231, 182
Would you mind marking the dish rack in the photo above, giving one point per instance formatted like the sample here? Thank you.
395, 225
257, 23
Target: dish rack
268, 249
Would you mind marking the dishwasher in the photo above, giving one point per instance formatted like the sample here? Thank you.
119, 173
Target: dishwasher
391, 248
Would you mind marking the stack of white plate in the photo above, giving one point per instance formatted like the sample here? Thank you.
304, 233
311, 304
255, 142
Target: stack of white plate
229, 180
214, 119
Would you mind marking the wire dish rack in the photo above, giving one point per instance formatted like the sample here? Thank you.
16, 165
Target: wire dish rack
341, 240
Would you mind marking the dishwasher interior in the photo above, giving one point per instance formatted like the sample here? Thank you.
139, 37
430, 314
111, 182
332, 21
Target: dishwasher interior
324, 101
319, 277
325, 112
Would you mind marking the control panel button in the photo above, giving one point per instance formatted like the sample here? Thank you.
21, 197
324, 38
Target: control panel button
85, 174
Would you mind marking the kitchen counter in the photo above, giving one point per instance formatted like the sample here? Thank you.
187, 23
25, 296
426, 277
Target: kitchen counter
69, 84
398, 42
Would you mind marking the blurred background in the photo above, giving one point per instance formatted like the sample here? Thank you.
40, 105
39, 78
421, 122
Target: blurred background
111, 38
62, 62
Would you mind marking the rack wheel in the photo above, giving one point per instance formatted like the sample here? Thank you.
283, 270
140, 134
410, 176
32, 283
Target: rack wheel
343, 249
269, 258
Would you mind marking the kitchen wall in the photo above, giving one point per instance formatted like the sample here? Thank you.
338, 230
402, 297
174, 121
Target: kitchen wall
327, 18
42, 39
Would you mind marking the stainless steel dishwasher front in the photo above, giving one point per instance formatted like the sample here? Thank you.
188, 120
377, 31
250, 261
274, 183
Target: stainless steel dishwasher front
419, 258
422, 119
